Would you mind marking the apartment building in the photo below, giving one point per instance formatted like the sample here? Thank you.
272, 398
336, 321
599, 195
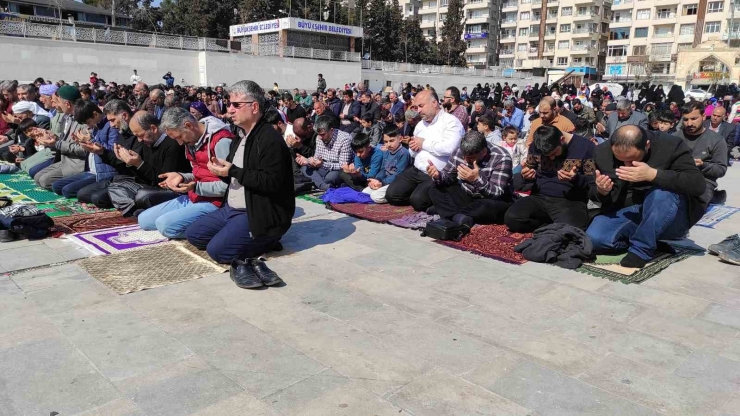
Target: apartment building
558, 35
646, 36
482, 27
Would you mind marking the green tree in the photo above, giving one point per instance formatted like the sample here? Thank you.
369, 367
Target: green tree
258, 10
452, 47
203, 18
146, 18
416, 48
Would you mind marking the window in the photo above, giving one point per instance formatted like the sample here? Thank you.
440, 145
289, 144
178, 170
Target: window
430, 32
641, 32
684, 46
444, 3
643, 14
711, 27
663, 31
477, 14
639, 50
442, 17
474, 29
521, 47
715, 6
620, 50
661, 49
564, 44
565, 28
427, 18
619, 34
523, 31
690, 9
563, 61
664, 13
566, 11
524, 16
432, 5
686, 29
619, 17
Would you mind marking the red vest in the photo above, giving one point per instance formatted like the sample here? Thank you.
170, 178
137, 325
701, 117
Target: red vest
200, 166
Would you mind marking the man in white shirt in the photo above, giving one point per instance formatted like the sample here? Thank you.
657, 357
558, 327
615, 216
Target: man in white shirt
435, 138
135, 79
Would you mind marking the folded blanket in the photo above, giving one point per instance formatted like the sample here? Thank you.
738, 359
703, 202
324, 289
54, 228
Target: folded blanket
345, 195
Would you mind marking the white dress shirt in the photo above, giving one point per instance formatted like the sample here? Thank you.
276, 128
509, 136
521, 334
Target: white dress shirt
441, 138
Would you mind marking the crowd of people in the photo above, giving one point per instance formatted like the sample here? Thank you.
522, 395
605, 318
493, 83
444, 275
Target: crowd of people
220, 166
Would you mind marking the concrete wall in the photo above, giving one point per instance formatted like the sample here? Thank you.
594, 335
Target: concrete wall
26, 59
378, 79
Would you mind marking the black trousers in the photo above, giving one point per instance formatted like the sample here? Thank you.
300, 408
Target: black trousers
451, 200
356, 183
529, 213
96, 194
410, 187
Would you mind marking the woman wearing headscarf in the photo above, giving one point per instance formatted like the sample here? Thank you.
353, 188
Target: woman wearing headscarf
650, 96
497, 92
659, 95
676, 95
535, 95
544, 91
486, 91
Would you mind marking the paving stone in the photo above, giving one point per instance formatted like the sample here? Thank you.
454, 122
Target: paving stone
550, 393
546, 348
241, 404
50, 376
412, 273
19, 244
592, 305
20, 326
695, 267
178, 389
698, 289
712, 370
119, 341
118, 407
37, 279
693, 333
504, 284
441, 394
32, 255
721, 315
658, 390
611, 337
567, 277
70, 295
667, 302
732, 408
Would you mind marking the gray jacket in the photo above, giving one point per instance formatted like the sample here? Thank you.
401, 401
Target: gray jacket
711, 148
726, 130
73, 156
635, 119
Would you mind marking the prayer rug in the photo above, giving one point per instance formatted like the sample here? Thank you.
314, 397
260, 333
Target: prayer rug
492, 241
148, 267
15, 196
313, 197
607, 266
715, 214
24, 184
66, 207
415, 221
373, 212
111, 240
89, 222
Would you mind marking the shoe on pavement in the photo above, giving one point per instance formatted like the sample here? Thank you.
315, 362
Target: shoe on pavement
243, 275
267, 276
7, 236
727, 244
731, 256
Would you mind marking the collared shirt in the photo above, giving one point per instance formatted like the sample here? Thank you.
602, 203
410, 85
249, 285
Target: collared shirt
158, 111
335, 153
236, 198
493, 176
159, 140
562, 123
461, 115
516, 119
441, 137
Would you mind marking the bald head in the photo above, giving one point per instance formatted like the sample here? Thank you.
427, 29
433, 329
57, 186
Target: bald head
547, 110
718, 115
629, 144
302, 128
548, 101
145, 126
428, 106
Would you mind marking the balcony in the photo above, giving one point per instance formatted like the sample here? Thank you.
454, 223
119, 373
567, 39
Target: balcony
508, 23
621, 21
536, 3
535, 35
581, 49
507, 39
583, 32
664, 36
428, 10
551, 17
666, 16
476, 4
477, 19
427, 24
509, 5
584, 16
621, 4
506, 52
550, 35
532, 51
536, 19
549, 51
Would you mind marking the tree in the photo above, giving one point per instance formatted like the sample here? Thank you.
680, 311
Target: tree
452, 47
203, 18
146, 18
416, 46
258, 10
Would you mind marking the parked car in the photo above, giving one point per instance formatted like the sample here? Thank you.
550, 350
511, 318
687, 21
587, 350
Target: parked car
698, 94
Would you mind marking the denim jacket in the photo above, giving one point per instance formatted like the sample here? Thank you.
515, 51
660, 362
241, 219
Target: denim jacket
106, 136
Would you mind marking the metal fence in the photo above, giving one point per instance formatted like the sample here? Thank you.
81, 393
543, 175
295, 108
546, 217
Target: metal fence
499, 72
156, 40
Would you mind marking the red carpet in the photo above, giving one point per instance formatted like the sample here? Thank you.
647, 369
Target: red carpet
89, 222
492, 241
373, 212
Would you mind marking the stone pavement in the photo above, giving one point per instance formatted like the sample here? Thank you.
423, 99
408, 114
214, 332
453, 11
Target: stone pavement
374, 320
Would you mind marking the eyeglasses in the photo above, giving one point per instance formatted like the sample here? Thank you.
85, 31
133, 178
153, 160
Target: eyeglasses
239, 104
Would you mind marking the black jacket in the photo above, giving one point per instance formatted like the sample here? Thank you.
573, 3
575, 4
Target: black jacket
267, 178
562, 244
373, 108
677, 172
167, 157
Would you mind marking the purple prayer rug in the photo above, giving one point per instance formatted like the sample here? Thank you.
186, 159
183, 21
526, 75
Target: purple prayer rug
117, 239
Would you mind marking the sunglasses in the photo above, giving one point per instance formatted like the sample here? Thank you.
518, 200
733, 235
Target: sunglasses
239, 104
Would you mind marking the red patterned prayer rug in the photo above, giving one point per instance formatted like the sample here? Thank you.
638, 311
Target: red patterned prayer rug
492, 241
373, 212
89, 222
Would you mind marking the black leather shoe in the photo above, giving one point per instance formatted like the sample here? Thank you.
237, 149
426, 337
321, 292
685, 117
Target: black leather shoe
243, 275
7, 236
267, 276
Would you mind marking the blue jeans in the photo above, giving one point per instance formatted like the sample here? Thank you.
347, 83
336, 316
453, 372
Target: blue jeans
663, 215
68, 186
43, 165
322, 178
173, 217
225, 235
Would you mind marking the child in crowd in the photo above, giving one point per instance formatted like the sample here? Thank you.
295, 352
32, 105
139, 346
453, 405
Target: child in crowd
373, 130
396, 159
366, 165
516, 147
665, 120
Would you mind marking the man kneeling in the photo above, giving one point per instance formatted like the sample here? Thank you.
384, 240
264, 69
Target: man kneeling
474, 186
649, 188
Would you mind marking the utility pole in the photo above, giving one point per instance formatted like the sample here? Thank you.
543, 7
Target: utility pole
113, 13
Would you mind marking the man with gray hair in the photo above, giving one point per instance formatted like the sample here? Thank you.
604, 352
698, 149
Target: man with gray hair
512, 115
332, 151
259, 205
625, 116
479, 109
202, 192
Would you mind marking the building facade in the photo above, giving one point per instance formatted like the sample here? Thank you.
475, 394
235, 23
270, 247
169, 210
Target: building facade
48, 11
482, 26
647, 37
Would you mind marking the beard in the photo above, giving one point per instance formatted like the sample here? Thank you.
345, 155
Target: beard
124, 126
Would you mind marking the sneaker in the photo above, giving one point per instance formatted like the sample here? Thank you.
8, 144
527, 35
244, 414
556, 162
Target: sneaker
267, 276
727, 244
731, 256
243, 275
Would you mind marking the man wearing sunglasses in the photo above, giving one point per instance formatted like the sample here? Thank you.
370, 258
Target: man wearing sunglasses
259, 204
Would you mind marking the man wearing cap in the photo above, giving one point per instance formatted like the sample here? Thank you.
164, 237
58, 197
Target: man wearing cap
46, 92
70, 158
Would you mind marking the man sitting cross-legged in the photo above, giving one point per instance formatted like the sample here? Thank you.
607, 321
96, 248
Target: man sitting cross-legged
561, 167
259, 204
474, 186
332, 151
650, 189
203, 191
366, 165
396, 159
